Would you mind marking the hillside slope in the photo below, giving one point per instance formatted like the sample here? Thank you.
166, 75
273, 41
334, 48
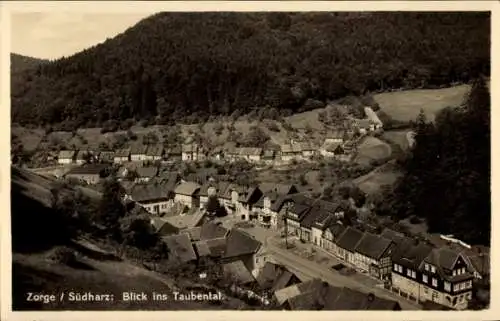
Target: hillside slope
175, 65
20, 63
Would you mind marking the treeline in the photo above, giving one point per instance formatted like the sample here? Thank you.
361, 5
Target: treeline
447, 179
186, 66
20, 63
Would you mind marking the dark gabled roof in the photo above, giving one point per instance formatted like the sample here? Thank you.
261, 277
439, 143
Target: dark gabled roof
138, 149
174, 150
336, 229
149, 171
90, 169
249, 195
280, 189
187, 188
124, 152
217, 246
396, 237
481, 263
350, 239
349, 299
373, 246
211, 230
240, 243
239, 272
268, 154
315, 214
149, 192
444, 260
194, 233
180, 246
155, 150
442, 257
229, 189
81, 154
66, 154
410, 254
273, 277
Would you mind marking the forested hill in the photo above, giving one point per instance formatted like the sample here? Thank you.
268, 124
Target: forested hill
173, 65
19, 63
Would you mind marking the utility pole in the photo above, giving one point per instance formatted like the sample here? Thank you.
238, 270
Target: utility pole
287, 206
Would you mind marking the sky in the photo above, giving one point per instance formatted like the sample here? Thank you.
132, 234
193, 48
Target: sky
51, 35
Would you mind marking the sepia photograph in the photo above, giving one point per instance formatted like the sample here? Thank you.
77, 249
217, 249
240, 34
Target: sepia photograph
250, 161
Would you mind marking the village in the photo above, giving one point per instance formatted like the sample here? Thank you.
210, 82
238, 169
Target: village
276, 238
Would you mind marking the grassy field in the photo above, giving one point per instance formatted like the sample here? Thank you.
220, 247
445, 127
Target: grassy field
398, 137
372, 148
405, 105
371, 183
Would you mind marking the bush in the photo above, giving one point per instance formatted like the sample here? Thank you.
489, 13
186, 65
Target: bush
64, 256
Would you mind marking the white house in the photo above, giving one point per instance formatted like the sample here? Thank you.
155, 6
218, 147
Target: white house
66, 157
187, 193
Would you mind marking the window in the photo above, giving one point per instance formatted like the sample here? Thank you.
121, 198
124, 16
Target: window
455, 287
454, 272
425, 278
469, 295
433, 269
434, 282
469, 284
447, 286
463, 270
408, 272
396, 267
462, 286
426, 267
413, 274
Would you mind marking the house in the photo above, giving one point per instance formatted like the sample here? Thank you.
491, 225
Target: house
406, 276
332, 150
337, 136
250, 154
274, 277
272, 193
106, 156
145, 174
322, 296
240, 246
190, 152
82, 157
248, 197
187, 193
185, 221
290, 152
364, 126
330, 234
180, 247
346, 245
66, 157
90, 173
155, 198
155, 152
307, 149
373, 117
373, 254
122, 156
479, 264
217, 153
282, 296
211, 188
138, 152
238, 273
268, 156
230, 198
316, 213
173, 154
446, 279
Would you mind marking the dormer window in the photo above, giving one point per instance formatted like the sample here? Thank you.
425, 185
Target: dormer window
426, 267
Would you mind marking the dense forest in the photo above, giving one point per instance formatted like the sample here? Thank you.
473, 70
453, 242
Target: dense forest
20, 63
447, 179
187, 66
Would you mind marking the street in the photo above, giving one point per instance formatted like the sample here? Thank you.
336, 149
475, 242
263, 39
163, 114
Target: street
308, 269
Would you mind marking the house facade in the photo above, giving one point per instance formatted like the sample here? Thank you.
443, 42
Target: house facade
373, 255
190, 152
66, 157
155, 153
187, 193
138, 153
121, 156
250, 154
347, 243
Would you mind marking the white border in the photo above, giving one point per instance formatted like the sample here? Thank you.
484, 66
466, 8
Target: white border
129, 6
